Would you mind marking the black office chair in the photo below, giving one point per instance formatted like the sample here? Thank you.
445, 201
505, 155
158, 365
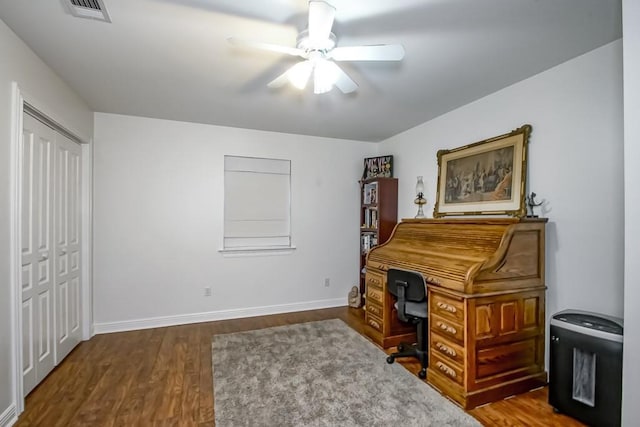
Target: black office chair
410, 290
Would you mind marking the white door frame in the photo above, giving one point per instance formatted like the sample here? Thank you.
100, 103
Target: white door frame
19, 98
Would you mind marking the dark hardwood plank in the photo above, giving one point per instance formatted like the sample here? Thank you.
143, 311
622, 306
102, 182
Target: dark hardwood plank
163, 377
205, 383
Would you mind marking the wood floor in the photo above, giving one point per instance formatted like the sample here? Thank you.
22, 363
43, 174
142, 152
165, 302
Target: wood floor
163, 377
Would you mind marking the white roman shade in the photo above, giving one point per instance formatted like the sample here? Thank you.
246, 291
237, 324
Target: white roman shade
257, 203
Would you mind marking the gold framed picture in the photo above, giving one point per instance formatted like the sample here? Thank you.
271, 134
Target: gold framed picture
484, 178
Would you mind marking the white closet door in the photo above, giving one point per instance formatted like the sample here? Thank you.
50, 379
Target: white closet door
67, 197
37, 256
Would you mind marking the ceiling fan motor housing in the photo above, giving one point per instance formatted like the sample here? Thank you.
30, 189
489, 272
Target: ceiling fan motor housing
305, 43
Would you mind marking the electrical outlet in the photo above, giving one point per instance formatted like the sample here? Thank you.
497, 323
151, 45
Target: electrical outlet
207, 291
327, 282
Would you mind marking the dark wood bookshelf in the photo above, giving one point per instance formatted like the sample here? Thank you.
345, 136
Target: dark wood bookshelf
378, 217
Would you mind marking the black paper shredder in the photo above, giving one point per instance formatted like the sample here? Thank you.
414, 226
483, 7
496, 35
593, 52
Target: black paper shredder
585, 367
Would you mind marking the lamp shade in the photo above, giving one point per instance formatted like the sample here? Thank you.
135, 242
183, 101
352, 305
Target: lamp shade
300, 73
419, 186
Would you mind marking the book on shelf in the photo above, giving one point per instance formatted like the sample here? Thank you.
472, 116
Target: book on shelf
370, 193
368, 241
370, 218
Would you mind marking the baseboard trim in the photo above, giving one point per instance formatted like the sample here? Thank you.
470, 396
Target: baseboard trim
184, 319
8, 417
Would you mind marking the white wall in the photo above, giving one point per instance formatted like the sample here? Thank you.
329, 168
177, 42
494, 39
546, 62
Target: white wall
49, 93
631, 383
158, 220
575, 164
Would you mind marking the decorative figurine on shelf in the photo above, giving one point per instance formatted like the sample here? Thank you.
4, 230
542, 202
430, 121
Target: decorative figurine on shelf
420, 200
354, 297
531, 202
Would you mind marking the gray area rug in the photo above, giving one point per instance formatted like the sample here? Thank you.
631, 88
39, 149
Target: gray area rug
319, 374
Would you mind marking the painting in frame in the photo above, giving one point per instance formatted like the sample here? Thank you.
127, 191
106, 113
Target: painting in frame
484, 178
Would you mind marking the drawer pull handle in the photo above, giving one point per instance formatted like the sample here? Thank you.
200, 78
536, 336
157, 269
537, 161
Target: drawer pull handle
375, 296
448, 329
447, 307
374, 323
446, 349
447, 370
374, 310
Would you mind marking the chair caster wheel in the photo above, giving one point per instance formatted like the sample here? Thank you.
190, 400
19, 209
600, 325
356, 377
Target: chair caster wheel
422, 374
400, 348
390, 359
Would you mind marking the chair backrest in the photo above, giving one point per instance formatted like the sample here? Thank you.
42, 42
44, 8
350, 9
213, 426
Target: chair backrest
415, 289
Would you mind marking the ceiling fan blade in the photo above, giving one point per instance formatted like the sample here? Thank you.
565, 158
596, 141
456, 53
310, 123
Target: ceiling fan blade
298, 75
279, 81
379, 52
321, 15
266, 46
342, 80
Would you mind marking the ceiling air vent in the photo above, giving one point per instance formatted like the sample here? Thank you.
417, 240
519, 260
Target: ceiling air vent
92, 9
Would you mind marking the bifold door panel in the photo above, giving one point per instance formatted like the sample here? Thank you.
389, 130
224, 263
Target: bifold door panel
50, 240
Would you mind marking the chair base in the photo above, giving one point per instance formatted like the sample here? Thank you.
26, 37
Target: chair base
411, 350
418, 350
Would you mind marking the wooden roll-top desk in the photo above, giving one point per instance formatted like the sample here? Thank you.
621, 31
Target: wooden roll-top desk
486, 295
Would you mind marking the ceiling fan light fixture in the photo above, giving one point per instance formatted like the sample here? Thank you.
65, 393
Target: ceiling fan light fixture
299, 74
324, 76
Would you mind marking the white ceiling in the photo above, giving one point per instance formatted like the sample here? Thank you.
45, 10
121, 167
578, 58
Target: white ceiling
169, 59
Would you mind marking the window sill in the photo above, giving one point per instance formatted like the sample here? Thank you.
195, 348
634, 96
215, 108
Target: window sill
261, 251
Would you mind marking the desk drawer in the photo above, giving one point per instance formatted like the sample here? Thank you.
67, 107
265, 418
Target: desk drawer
451, 371
374, 322
376, 295
377, 265
447, 328
374, 280
447, 349
447, 307
374, 308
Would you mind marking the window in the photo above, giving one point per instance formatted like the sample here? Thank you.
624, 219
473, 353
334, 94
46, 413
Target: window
257, 203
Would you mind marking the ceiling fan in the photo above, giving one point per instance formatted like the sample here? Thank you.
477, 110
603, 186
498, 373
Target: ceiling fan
317, 46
